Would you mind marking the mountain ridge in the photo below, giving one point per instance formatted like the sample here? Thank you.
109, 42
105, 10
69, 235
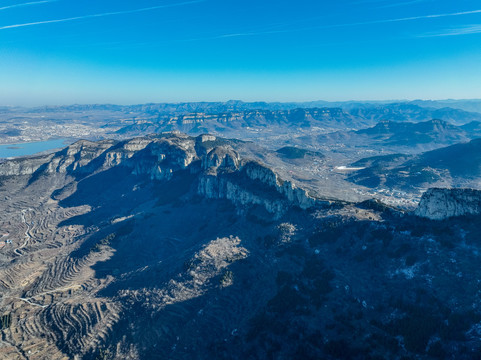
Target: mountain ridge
452, 166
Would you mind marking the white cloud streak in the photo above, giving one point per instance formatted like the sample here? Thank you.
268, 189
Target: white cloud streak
463, 30
405, 3
388, 3
26, 4
384, 21
92, 16
433, 16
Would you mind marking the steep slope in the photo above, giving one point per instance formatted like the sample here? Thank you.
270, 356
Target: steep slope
440, 204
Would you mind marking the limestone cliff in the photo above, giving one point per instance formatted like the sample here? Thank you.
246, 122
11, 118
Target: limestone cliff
23, 166
157, 157
221, 173
440, 204
249, 183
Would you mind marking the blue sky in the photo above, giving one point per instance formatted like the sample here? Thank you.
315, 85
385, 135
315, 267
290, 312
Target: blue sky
65, 51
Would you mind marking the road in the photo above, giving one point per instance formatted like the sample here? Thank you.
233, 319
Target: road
27, 235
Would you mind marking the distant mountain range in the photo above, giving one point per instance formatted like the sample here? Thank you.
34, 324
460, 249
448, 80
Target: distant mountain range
467, 105
407, 137
327, 119
412, 112
452, 166
471, 105
249, 120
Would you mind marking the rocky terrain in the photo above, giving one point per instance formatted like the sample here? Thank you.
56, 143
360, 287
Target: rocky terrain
180, 247
441, 204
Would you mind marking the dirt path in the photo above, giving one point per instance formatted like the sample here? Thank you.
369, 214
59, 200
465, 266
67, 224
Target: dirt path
27, 235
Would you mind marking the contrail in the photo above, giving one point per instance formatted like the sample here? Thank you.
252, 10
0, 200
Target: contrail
463, 30
98, 15
379, 2
425, 17
405, 3
384, 21
272, 32
26, 4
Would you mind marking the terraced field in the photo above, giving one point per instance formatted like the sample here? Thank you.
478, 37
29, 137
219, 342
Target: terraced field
55, 286
43, 290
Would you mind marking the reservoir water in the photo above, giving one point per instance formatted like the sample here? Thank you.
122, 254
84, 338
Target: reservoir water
31, 148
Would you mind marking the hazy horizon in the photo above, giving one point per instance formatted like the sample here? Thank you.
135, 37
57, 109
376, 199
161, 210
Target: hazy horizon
381, 101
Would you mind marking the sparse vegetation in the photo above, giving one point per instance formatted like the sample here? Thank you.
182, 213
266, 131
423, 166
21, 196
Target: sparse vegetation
5, 321
104, 354
227, 278
106, 241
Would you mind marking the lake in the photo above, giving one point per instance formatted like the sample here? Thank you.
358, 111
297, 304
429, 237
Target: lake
31, 148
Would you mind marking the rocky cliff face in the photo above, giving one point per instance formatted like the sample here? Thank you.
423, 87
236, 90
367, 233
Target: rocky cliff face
24, 166
156, 157
72, 158
221, 173
247, 183
440, 204
200, 122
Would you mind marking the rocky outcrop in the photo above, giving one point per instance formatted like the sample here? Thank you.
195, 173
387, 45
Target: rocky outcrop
213, 187
198, 122
440, 204
249, 183
163, 156
23, 166
224, 158
77, 156
156, 157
